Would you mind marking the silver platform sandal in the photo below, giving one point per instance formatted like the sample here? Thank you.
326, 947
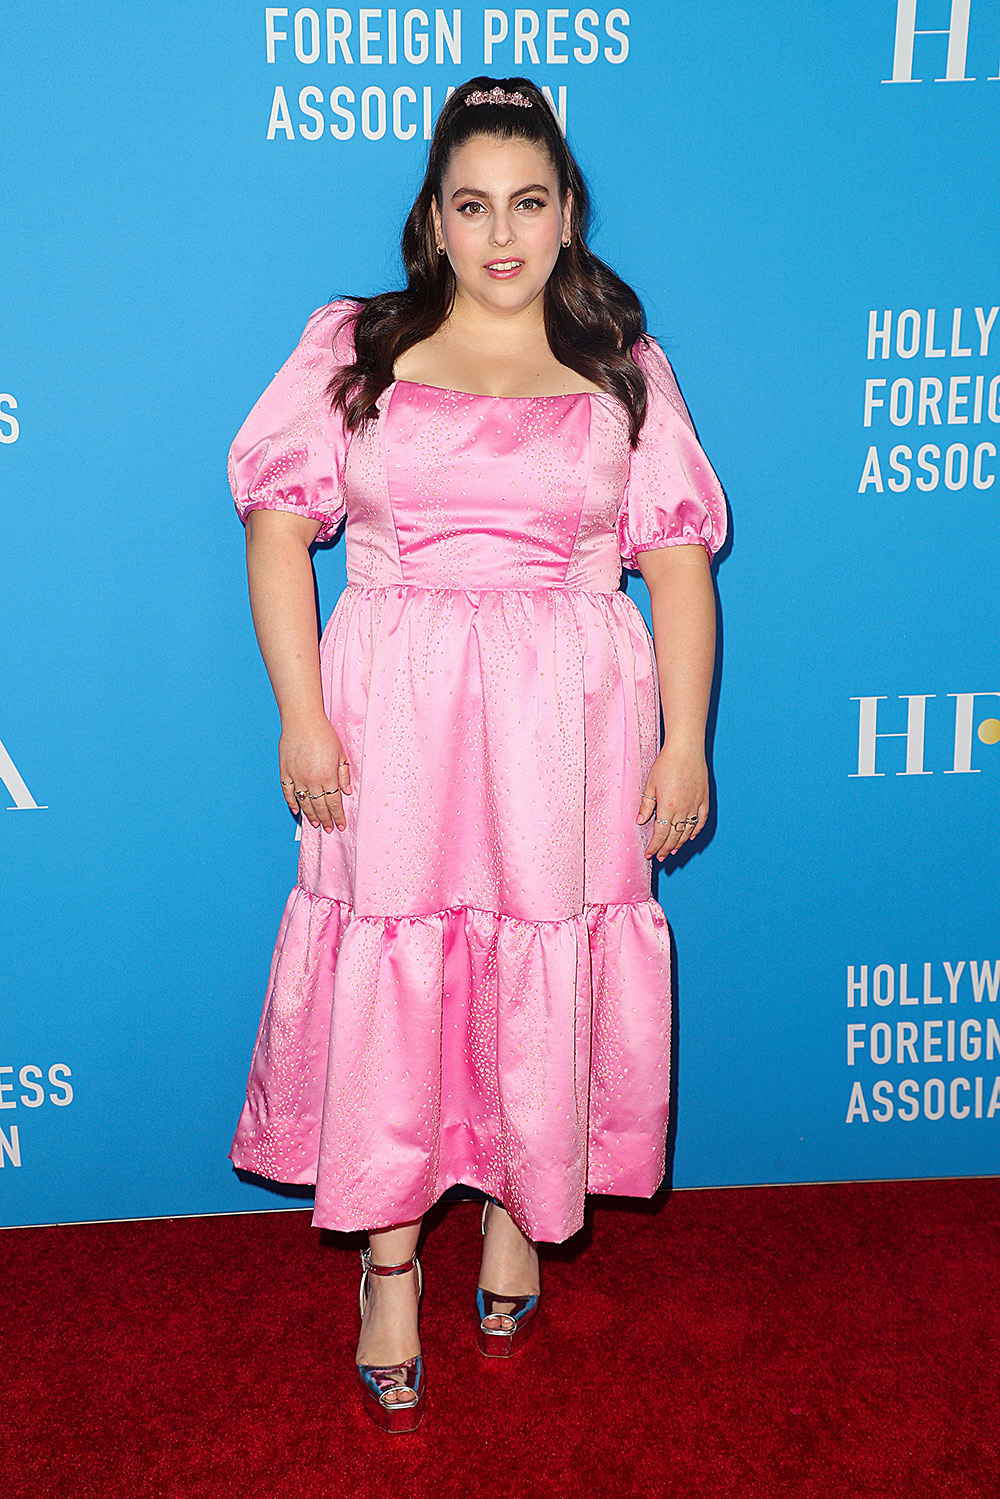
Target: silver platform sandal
516, 1320
378, 1381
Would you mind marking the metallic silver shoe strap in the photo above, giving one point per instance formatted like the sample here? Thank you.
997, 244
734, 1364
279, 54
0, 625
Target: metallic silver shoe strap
393, 1269
401, 1269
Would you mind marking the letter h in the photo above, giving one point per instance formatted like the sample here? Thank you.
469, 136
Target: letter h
868, 735
957, 32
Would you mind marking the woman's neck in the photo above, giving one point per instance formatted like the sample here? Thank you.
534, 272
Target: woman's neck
479, 351
502, 335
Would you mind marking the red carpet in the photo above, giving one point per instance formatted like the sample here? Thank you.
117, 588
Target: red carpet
801, 1341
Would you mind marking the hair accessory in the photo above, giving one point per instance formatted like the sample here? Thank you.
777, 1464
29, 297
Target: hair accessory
497, 96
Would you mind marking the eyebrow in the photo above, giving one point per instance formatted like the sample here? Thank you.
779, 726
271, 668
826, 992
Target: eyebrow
479, 192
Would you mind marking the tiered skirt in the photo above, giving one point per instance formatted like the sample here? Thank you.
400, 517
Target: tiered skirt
471, 982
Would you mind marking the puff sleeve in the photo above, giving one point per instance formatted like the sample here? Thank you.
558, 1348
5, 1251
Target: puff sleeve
672, 497
290, 452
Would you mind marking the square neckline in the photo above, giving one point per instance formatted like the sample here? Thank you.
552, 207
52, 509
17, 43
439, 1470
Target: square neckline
481, 395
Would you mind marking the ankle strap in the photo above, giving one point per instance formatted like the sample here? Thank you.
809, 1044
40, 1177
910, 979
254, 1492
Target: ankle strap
366, 1260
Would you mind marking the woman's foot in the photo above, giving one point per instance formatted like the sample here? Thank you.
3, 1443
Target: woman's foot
389, 1330
510, 1265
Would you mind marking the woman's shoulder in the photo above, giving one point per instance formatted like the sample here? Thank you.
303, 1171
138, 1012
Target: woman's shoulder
647, 353
332, 325
661, 382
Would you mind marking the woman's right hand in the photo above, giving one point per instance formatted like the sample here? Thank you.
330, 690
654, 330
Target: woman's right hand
311, 758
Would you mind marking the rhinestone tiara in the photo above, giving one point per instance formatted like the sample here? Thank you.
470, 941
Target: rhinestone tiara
497, 96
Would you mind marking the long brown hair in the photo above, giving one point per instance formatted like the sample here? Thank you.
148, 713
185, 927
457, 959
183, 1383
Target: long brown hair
592, 318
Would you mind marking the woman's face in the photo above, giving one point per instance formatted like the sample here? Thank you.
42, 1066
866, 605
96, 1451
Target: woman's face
500, 221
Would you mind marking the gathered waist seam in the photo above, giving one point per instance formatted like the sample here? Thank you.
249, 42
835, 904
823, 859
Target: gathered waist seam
492, 588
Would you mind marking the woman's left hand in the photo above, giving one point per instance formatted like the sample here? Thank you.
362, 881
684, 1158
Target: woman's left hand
676, 796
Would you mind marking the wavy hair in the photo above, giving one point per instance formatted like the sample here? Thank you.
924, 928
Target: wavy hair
592, 318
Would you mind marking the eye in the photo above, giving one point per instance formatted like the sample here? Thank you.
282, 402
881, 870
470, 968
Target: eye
533, 203
470, 204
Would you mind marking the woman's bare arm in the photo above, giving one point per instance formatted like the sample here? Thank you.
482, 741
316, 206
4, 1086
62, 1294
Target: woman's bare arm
679, 580
282, 602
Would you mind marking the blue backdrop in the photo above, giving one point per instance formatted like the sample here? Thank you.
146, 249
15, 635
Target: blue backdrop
804, 197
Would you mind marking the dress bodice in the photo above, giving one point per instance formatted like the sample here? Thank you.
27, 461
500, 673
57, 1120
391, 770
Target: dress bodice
454, 490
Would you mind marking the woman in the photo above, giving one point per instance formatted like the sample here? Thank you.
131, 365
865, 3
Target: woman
471, 978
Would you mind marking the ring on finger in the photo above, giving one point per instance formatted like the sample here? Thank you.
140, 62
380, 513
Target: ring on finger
664, 821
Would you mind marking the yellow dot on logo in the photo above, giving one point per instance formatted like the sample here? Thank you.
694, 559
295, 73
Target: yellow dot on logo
989, 730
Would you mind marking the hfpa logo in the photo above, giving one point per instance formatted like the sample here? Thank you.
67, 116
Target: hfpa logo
957, 32
869, 734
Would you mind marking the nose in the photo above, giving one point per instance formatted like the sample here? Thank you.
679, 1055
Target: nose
503, 229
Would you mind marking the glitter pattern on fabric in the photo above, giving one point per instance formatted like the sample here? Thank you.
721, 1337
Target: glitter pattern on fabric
471, 983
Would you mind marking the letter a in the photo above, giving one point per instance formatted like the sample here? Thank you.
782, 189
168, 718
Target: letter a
280, 118
857, 1106
9, 774
872, 473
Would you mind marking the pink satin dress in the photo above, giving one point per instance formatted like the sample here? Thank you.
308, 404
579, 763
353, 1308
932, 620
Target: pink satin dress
471, 983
